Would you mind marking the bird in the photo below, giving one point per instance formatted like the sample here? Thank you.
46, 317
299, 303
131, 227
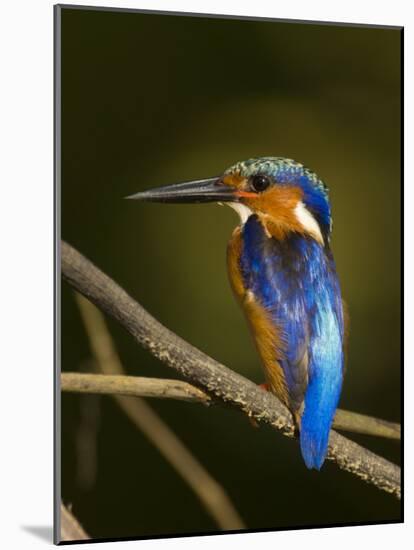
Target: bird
282, 272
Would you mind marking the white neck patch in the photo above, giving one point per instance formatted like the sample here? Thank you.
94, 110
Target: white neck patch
242, 210
308, 222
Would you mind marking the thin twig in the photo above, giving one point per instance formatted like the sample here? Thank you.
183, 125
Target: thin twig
70, 528
140, 386
215, 379
210, 493
86, 440
349, 421
137, 386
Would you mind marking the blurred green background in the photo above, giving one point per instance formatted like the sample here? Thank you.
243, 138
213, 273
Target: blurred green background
154, 99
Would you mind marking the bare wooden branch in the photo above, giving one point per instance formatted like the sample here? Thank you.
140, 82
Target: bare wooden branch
140, 386
210, 376
349, 421
137, 386
210, 493
70, 528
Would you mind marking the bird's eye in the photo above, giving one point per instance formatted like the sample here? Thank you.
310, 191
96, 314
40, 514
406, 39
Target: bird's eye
259, 182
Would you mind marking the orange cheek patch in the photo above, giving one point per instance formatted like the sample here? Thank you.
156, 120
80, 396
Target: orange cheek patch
234, 180
275, 207
276, 199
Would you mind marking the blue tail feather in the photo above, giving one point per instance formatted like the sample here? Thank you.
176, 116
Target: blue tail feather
314, 445
321, 401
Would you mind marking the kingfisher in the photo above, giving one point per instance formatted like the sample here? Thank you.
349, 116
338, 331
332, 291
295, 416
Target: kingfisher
283, 274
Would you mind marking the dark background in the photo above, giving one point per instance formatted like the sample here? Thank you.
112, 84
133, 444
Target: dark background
154, 99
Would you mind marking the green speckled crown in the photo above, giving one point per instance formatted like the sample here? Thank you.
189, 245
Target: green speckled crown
283, 170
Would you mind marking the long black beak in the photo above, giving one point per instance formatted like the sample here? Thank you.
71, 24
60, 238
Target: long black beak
208, 190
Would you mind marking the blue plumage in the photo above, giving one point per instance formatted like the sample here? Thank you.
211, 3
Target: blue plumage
295, 281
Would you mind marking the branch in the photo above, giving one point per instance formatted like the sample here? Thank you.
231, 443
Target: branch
70, 528
348, 421
139, 386
210, 493
136, 386
207, 374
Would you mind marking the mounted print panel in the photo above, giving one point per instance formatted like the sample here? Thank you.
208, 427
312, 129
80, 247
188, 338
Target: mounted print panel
231, 369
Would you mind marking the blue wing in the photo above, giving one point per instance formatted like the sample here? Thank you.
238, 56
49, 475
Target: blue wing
295, 282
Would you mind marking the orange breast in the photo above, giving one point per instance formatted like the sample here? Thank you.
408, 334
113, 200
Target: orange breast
268, 340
